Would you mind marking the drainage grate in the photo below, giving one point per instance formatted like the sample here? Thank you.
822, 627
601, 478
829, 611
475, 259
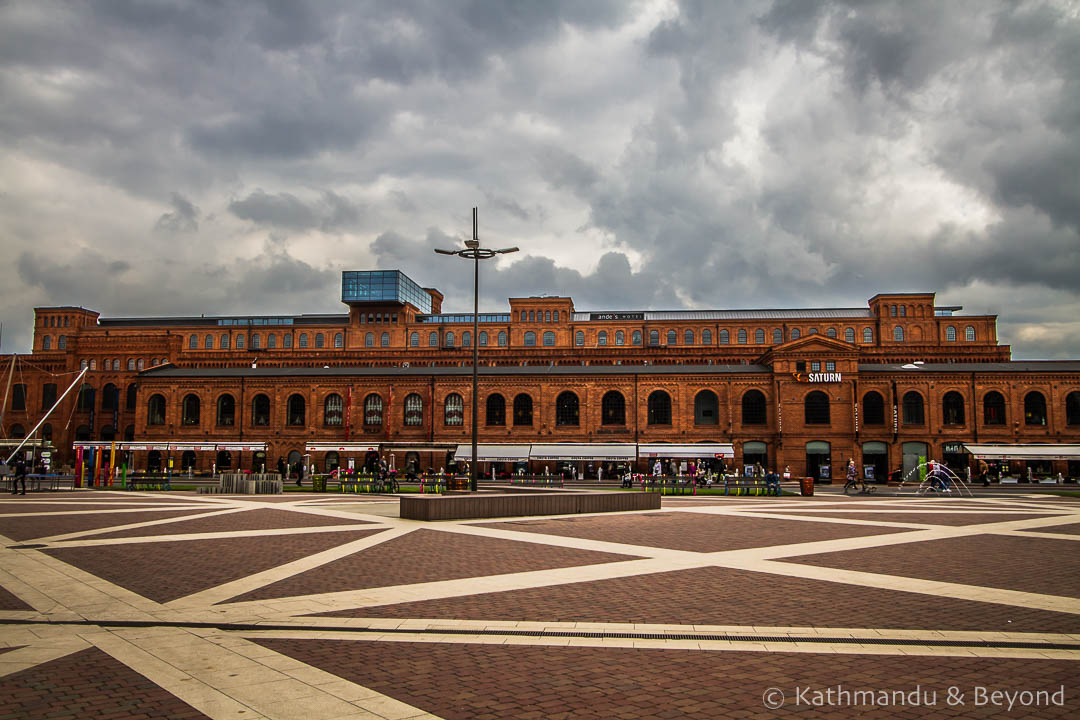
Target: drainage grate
724, 637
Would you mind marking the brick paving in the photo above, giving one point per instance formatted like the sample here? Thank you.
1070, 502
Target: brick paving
957, 519
999, 561
692, 531
1070, 529
722, 596
484, 682
9, 601
259, 519
166, 571
42, 507
427, 556
46, 526
86, 684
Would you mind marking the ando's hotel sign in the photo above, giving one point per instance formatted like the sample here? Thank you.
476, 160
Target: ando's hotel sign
819, 377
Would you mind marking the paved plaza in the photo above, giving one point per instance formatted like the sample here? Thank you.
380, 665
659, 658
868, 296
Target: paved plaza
139, 605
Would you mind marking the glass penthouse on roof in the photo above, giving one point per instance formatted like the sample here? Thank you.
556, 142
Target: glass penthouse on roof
383, 286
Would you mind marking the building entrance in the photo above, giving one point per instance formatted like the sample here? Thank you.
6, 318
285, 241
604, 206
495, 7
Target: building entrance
875, 459
954, 455
914, 453
819, 461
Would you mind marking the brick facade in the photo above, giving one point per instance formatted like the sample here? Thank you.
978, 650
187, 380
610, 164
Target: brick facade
681, 354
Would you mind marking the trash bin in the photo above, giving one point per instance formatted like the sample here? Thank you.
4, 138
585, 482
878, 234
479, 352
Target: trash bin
318, 483
806, 486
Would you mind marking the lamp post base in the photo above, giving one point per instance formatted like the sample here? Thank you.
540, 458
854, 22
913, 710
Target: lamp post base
458, 482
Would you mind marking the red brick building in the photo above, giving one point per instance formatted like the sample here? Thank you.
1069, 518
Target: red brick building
801, 388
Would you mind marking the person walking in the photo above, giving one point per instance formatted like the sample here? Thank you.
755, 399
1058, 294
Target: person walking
20, 476
657, 468
281, 467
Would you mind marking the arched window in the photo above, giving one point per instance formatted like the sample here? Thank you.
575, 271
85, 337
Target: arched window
454, 410
555, 316
759, 337
132, 396
725, 337
547, 316
659, 408
46, 343
131, 364
502, 338
414, 410
849, 335
952, 407
495, 415
613, 408
140, 364
903, 311
296, 410
913, 408
271, 341
892, 310
868, 335
18, 432
286, 340
208, 342
333, 410
260, 410
969, 333
524, 316
742, 337
706, 337
239, 342
483, 338
369, 339
193, 343
433, 339
303, 340
224, 342
601, 338
706, 408
530, 339
579, 338
688, 337
812, 331
189, 414
320, 341
654, 337
339, 340
672, 337
1034, 408
256, 341
48, 396
466, 339
795, 334
85, 400
567, 412
226, 410
620, 337
1072, 408
18, 397
373, 410
830, 332
950, 334
898, 334
816, 408
873, 409
753, 408
155, 410
61, 342
549, 339
993, 408
523, 410
414, 340
532, 315
385, 339
635, 338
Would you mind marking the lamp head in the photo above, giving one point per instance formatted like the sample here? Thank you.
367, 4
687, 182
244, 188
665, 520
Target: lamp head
472, 244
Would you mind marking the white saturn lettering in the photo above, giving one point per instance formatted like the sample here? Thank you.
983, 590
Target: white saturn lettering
824, 377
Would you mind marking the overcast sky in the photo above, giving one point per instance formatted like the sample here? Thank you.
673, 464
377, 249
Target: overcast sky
233, 157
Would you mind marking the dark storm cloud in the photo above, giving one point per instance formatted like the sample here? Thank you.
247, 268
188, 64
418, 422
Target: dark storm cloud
701, 154
286, 211
184, 217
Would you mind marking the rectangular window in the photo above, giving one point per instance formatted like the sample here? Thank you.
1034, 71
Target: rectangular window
800, 367
830, 366
815, 366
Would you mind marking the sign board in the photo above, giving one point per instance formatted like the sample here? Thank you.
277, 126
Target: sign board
46, 453
954, 448
819, 377
824, 472
617, 316
868, 472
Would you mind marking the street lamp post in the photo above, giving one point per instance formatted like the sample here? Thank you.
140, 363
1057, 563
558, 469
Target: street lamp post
474, 252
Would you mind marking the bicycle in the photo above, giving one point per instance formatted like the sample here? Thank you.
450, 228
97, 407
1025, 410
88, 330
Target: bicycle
852, 487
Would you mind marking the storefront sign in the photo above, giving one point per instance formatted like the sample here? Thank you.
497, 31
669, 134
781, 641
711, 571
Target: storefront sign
954, 448
617, 316
819, 377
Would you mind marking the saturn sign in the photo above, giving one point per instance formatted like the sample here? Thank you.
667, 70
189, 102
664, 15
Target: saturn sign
819, 377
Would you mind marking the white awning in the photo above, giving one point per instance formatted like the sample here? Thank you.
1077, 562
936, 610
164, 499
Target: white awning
1024, 452
693, 450
341, 447
589, 451
488, 452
